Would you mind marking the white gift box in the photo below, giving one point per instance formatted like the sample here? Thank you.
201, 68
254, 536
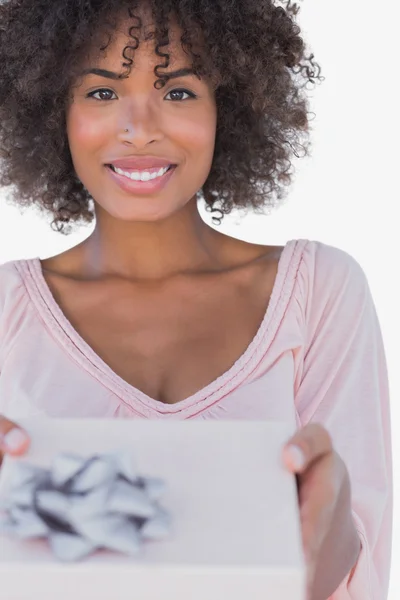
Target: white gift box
235, 520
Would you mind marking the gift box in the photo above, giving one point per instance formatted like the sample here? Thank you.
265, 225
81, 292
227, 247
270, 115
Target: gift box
231, 510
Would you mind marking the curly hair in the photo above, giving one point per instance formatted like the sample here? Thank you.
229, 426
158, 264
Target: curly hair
252, 53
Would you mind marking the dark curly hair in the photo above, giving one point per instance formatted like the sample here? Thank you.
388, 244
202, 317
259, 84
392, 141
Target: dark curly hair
251, 51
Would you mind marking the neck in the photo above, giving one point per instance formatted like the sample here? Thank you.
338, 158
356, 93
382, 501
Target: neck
151, 250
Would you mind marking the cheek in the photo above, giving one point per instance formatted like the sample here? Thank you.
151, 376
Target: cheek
84, 131
195, 133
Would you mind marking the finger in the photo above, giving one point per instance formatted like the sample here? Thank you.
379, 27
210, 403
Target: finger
319, 494
306, 446
13, 439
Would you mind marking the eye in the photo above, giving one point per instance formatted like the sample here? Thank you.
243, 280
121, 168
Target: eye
181, 91
100, 91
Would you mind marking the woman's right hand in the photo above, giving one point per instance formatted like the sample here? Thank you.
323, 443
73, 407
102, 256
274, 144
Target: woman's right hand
13, 439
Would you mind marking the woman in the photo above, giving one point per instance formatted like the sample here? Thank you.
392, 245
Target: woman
157, 315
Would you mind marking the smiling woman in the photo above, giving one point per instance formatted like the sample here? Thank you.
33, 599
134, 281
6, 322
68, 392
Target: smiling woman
128, 112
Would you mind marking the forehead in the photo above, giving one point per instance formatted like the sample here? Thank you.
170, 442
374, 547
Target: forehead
128, 41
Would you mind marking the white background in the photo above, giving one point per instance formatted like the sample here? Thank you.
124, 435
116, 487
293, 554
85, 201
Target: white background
346, 195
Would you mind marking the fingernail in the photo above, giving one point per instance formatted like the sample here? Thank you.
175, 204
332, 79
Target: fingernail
14, 439
297, 457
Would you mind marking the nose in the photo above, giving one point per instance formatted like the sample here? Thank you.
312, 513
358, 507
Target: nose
139, 128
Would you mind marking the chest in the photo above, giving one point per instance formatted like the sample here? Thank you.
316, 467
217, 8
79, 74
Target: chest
168, 342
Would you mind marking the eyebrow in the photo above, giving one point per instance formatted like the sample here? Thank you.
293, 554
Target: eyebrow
117, 76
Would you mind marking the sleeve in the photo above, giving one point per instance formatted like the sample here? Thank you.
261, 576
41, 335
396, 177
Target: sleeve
13, 302
343, 385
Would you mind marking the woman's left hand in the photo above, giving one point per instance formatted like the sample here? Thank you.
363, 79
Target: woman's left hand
330, 541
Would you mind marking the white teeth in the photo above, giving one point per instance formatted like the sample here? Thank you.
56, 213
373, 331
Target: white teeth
142, 175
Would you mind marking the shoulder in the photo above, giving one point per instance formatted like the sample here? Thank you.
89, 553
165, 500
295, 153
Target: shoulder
330, 266
10, 278
313, 272
330, 281
317, 257
13, 296
318, 263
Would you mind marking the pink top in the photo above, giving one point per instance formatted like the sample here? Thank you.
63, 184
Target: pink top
318, 356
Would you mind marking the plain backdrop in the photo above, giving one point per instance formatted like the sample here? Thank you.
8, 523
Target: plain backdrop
345, 195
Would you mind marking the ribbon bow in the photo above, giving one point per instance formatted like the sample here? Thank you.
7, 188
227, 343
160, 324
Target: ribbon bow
81, 505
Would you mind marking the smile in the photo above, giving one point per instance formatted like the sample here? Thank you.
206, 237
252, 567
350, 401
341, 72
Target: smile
141, 175
141, 182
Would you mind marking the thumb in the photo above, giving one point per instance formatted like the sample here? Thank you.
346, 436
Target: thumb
13, 439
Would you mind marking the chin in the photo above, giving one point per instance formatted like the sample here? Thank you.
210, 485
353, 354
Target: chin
139, 211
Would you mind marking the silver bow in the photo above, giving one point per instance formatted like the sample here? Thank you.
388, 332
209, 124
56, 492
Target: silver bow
84, 504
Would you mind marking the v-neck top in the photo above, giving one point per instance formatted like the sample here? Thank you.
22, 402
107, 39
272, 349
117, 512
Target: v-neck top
318, 356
